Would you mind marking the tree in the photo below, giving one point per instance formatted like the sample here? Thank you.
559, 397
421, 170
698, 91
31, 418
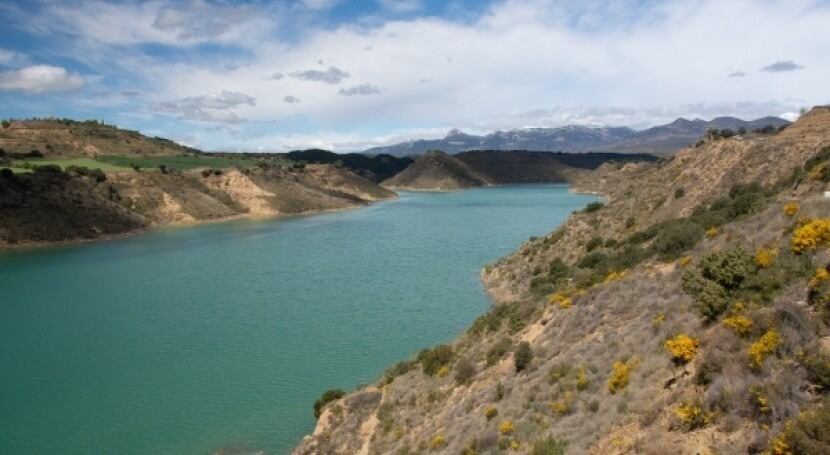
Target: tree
327, 397
523, 356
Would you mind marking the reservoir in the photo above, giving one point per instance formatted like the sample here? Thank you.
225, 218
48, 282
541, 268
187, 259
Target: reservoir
219, 337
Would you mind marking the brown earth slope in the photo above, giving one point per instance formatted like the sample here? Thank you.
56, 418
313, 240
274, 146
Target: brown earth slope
63, 137
576, 350
437, 171
53, 206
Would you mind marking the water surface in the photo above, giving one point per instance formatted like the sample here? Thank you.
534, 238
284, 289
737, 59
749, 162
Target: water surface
186, 341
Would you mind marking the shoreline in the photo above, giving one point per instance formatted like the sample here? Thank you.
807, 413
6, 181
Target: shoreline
46, 244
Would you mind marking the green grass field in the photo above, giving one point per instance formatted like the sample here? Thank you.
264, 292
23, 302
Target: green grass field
177, 162
117, 163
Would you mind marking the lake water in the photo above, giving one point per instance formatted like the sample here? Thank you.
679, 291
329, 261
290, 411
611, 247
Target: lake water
221, 336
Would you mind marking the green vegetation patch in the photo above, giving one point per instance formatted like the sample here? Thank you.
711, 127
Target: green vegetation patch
64, 163
180, 162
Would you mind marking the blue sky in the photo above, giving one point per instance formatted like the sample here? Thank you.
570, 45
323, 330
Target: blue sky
347, 75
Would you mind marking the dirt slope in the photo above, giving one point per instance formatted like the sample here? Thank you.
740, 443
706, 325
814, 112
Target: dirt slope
437, 171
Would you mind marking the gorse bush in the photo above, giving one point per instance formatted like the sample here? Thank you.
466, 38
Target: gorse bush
691, 415
810, 236
739, 324
432, 360
716, 277
523, 356
807, 434
620, 372
682, 348
764, 257
761, 349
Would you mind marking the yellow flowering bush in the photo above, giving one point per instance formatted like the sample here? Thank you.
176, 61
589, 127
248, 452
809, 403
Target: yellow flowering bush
692, 415
764, 257
811, 235
620, 373
506, 427
658, 320
712, 232
819, 277
561, 299
684, 261
739, 324
438, 442
682, 348
791, 208
614, 276
761, 349
443, 371
491, 412
581, 379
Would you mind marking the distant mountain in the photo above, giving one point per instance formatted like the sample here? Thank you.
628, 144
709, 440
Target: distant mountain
575, 138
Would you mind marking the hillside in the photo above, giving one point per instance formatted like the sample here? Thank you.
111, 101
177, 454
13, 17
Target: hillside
50, 205
686, 315
439, 171
577, 138
375, 168
64, 137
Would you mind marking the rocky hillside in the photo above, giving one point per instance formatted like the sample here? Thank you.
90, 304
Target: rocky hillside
376, 168
660, 139
64, 137
687, 315
439, 171
50, 205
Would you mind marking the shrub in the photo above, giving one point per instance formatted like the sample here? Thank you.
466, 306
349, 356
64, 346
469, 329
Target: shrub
506, 427
739, 324
464, 371
557, 269
679, 193
548, 446
327, 397
712, 232
206, 173
561, 299
818, 369
630, 222
685, 261
716, 276
523, 356
810, 236
764, 257
581, 379
791, 208
433, 359
438, 442
594, 243
593, 260
593, 207
807, 434
821, 276
692, 416
676, 237
498, 350
398, 369
620, 372
761, 349
682, 348
491, 412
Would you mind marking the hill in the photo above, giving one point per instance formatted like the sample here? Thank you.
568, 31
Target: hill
439, 171
51, 205
688, 314
576, 138
375, 168
64, 137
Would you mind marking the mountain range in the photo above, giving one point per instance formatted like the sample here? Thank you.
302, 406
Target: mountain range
660, 139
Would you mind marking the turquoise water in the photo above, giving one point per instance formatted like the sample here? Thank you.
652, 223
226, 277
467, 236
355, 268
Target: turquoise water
192, 340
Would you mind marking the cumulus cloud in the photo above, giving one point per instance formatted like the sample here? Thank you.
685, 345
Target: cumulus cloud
362, 89
291, 99
782, 66
333, 75
39, 79
737, 74
209, 108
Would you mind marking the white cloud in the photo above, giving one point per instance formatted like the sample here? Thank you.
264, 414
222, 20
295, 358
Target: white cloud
362, 89
209, 108
737, 74
39, 79
333, 75
291, 99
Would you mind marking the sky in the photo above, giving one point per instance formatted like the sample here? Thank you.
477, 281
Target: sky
348, 75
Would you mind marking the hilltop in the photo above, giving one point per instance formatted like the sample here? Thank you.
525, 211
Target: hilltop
65, 137
440, 171
578, 138
687, 314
